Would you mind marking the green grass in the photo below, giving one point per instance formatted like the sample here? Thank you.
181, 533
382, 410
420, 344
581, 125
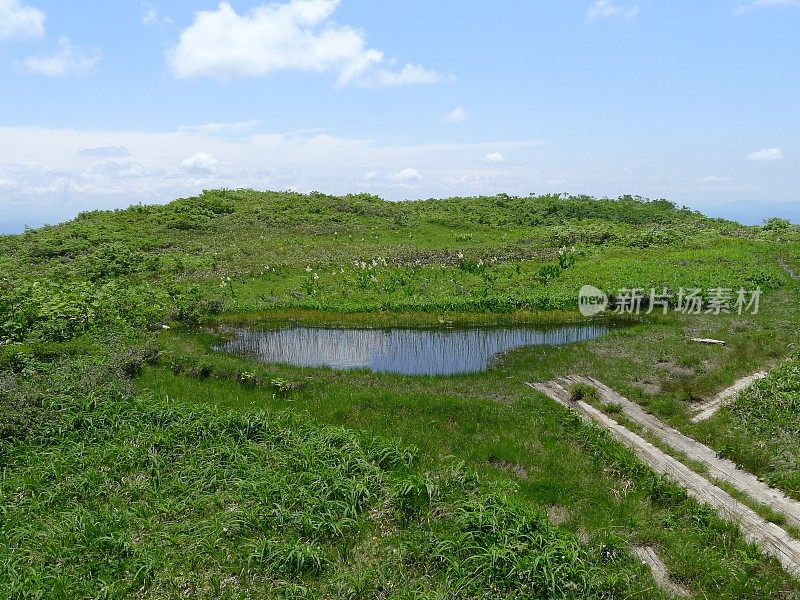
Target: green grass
759, 430
157, 494
208, 475
504, 433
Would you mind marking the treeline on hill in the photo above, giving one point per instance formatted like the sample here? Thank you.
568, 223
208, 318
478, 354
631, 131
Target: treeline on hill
143, 265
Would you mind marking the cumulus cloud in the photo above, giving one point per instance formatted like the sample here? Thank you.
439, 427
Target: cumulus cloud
201, 164
456, 115
105, 152
297, 35
767, 154
606, 9
407, 175
67, 59
18, 21
494, 157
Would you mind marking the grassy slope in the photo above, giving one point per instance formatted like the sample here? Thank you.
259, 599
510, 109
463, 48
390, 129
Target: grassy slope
116, 274
149, 497
761, 428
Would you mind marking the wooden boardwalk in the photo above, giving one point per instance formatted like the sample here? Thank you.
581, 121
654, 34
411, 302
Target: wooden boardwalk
720, 469
708, 409
772, 539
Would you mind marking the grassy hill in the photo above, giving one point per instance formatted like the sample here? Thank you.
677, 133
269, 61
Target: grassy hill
138, 462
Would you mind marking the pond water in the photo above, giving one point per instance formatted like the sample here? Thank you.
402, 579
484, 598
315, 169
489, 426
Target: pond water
405, 351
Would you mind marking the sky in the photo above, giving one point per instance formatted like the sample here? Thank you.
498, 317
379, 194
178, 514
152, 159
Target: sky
107, 104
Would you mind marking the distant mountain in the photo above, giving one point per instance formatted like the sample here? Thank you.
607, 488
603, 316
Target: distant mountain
755, 213
19, 226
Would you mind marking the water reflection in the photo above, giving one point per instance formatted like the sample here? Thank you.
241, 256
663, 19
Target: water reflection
406, 351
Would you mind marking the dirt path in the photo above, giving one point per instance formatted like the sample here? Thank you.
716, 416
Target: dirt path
788, 268
772, 539
708, 409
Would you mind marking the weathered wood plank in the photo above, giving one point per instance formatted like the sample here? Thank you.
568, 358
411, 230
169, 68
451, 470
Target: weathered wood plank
708, 409
709, 341
788, 268
648, 556
772, 539
721, 469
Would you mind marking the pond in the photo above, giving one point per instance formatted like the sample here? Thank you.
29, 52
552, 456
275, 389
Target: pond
404, 351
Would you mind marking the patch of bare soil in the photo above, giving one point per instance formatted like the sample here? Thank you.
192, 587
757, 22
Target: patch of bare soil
648, 386
557, 514
673, 368
515, 469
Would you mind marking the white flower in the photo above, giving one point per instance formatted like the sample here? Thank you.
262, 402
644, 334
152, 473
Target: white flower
308, 269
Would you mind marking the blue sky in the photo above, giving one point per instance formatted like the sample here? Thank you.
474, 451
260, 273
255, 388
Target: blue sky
104, 104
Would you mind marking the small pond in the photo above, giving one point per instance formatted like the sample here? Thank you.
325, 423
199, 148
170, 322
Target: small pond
405, 351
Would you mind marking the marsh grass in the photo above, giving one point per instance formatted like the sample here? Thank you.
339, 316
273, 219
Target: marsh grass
175, 498
210, 476
619, 501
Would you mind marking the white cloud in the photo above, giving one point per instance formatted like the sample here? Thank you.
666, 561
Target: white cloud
18, 21
713, 179
407, 175
151, 16
606, 9
297, 36
201, 163
116, 169
456, 115
225, 128
494, 157
105, 152
767, 154
408, 75
755, 4
42, 172
68, 59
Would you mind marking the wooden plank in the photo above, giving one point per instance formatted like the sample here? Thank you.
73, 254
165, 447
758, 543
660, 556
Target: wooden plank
788, 268
708, 409
648, 556
721, 469
709, 341
768, 536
